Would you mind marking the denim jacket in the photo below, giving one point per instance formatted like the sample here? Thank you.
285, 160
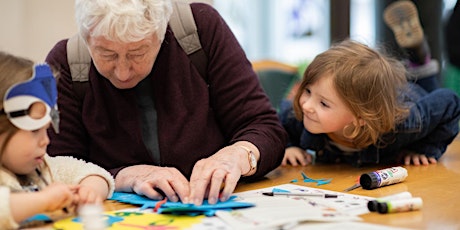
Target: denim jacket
432, 125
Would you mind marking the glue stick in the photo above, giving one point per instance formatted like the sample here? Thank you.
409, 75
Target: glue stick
373, 204
403, 205
382, 177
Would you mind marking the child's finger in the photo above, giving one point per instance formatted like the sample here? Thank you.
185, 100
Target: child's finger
424, 160
407, 160
308, 158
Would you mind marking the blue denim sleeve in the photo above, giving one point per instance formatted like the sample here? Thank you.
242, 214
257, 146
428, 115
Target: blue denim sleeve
432, 125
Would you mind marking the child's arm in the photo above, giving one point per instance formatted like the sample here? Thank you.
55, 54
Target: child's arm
93, 189
95, 182
54, 197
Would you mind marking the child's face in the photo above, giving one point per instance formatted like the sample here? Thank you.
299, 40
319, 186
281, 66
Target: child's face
323, 110
25, 150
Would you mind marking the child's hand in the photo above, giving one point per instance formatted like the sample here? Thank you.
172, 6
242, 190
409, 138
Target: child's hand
418, 159
58, 196
87, 195
296, 156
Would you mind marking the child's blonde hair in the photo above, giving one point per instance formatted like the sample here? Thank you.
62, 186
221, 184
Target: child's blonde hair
13, 69
368, 82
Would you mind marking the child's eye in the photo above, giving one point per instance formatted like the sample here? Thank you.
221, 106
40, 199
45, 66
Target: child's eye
324, 104
307, 91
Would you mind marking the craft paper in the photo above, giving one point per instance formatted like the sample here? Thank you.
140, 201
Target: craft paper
117, 220
179, 208
281, 212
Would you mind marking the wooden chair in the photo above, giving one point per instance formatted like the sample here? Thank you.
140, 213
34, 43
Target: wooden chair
276, 78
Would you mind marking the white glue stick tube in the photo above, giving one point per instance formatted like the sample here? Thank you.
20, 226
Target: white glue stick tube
383, 177
372, 204
403, 205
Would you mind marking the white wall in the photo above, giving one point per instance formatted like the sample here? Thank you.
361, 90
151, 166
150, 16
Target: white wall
30, 28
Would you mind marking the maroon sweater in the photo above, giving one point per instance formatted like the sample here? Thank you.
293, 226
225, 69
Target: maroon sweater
194, 121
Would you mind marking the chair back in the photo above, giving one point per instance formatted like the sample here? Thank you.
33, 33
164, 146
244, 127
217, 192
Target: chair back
276, 78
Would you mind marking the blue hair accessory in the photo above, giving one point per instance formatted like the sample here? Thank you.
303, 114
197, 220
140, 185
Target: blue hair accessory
40, 88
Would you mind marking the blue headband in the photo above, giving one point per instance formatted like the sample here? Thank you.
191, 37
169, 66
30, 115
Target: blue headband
41, 87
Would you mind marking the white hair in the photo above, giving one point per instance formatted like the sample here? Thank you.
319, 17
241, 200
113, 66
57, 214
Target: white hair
122, 20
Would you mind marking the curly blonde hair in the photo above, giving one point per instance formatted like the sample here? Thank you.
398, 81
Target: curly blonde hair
368, 82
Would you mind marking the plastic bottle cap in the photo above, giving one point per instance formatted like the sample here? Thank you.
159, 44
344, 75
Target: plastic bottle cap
382, 207
369, 181
372, 205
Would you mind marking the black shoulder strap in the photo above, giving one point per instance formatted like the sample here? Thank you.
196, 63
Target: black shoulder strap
182, 24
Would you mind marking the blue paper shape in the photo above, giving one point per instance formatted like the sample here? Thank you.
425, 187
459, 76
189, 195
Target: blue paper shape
279, 190
37, 220
179, 208
318, 182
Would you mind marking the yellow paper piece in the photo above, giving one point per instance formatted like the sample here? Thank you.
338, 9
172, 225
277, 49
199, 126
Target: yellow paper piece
125, 220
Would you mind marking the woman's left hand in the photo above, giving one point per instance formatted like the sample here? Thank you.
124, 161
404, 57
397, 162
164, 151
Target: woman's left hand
219, 173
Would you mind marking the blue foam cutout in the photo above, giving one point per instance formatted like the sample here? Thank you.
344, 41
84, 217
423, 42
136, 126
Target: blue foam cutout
179, 208
39, 217
318, 182
279, 190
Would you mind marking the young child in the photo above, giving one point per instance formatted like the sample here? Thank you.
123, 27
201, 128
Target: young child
355, 105
31, 182
388, 122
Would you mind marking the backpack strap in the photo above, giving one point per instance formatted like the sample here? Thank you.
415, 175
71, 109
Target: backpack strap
185, 31
183, 25
79, 62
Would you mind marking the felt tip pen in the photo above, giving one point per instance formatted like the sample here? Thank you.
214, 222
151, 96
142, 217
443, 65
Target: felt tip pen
402, 205
372, 205
300, 194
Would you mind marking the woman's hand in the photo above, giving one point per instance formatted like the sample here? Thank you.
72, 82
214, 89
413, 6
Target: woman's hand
154, 182
220, 171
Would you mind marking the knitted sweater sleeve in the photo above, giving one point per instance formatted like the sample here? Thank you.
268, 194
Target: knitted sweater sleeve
70, 170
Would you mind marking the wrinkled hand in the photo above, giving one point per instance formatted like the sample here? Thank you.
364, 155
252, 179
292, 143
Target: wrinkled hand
296, 156
152, 181
59, 196
418, 159
209, 175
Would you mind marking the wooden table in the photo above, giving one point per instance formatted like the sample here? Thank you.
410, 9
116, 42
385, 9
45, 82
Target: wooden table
438, 185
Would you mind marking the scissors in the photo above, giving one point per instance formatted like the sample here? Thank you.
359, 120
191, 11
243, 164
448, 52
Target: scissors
353, 187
